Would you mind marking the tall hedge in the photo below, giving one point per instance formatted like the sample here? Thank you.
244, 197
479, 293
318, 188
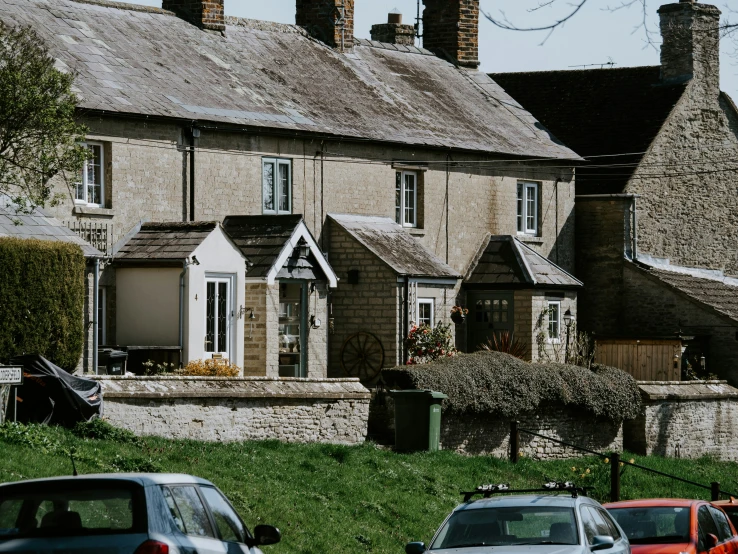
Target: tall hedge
500, 384
42, 296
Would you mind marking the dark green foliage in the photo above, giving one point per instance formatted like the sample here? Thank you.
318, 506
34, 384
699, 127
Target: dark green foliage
39, 136
42, 292
102, 430
497, 383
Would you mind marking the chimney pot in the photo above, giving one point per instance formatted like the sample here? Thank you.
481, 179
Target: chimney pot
394, 32
394, 17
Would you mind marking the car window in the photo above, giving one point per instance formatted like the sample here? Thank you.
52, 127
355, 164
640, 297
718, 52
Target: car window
504, 526
229, 525
173, 509
705, 526
194, 516
614, 532
654, 524
723, 527
588, 523
62, 511
732, 514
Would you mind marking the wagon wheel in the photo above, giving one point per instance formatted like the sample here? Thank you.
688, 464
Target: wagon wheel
362, 356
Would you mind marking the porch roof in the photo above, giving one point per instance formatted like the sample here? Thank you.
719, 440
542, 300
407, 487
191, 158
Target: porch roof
394, 246
39, 225
505, 261
268, 241
165, 242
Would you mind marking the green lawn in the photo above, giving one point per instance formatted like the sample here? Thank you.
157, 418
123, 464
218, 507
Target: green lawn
328, 498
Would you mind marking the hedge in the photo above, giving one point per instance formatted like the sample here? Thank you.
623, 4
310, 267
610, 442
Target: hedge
500, 384
42, 295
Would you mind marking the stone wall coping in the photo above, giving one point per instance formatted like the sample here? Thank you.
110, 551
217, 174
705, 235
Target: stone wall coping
225, 388
680, 391
206, 378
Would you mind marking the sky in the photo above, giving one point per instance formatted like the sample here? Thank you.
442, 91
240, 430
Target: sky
595, 36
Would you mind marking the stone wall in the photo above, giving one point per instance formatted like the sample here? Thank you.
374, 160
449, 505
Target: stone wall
224, 409
686, 419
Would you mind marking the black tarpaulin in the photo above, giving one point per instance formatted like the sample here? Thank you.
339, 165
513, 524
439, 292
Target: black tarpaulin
51, 395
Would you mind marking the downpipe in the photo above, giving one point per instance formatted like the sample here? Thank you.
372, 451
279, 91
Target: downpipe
95, 308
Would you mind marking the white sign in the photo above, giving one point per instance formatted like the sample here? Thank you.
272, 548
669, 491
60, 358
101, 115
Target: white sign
11, 375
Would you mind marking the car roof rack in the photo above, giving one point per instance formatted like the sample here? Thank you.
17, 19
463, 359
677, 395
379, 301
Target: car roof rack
504, 488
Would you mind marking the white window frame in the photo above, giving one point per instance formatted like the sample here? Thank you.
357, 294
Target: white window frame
278, 162
432, 303
401, 209
524, 210
230, 307
84, 201
549, 320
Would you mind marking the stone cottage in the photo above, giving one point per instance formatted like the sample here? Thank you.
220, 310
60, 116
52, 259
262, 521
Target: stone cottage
656, 206
197, 117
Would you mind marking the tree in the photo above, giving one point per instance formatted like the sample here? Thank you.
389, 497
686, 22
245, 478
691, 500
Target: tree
572, 9
39, 136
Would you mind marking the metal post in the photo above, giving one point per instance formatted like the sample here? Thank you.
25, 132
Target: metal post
614, 477
566, 353
15, 408
514, 442
714, 491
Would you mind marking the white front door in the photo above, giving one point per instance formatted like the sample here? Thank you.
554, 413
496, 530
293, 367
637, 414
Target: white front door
218, 312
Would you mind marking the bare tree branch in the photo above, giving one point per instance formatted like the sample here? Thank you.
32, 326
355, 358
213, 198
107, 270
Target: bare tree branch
506, 24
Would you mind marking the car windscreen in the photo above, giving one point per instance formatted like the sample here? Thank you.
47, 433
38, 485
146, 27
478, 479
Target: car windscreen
84, 508
498, 526
654, 525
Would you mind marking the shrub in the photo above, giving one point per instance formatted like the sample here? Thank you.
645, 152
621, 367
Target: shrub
425, 344
42, 293
507, 343
211, 368
502, 385
99, 429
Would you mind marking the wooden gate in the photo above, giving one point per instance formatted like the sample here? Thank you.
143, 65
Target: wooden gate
646, 360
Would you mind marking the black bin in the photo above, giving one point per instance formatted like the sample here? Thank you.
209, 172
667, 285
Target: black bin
111, 362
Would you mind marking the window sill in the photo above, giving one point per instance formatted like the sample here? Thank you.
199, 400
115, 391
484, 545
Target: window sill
416, 231
93, 211
532, 239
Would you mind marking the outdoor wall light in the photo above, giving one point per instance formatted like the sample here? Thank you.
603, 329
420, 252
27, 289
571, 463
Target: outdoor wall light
315, 322
195, 260
568, 317
304, 249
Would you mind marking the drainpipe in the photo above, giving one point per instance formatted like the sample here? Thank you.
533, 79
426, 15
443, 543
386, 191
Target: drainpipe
193, 135
181, 310
95, 308
406, 318
635, 231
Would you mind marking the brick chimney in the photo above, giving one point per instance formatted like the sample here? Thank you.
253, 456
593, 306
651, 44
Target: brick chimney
394, 31
206, 14
691, 44
330, 21
451, 30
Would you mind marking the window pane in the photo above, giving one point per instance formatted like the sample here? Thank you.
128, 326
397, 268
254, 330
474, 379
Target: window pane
222, 316
705, 526
398, 197
284, 187
173, 509
530, 208
723, 526
230, 526
79, 187
210, 318
94, 174
602, 527
520, 208
268, 186
589, 524
425, 313
553, 320
614, 533
193, 512
409, 199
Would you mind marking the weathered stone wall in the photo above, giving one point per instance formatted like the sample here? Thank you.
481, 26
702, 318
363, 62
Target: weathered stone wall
686, 419
224, 409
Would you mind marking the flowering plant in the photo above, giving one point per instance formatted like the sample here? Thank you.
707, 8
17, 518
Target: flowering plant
459, 310
425, 344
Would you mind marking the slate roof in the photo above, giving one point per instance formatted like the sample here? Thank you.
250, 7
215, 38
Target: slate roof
598, 112
164, 242
393, 245
39, 225
504, 261
261, 238
139, 60
716, 294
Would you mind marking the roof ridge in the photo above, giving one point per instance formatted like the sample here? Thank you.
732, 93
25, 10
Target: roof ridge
125, 6
549, 71
264, 25
404, 48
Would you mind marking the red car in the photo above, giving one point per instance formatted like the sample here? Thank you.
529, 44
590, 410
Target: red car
730, 507
666, 526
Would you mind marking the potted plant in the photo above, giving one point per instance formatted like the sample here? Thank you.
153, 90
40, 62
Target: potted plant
458, 314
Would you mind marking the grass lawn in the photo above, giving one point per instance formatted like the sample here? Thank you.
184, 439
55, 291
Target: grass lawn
328, 498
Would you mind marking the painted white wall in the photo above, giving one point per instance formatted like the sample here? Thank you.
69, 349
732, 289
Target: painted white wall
216, 254
147, 306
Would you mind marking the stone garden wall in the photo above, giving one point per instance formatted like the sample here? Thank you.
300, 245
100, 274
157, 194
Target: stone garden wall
227, 409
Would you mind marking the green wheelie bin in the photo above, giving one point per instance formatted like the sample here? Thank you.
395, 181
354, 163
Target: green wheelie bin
417, 420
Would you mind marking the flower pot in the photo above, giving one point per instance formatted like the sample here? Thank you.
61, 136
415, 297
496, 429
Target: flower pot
458, 318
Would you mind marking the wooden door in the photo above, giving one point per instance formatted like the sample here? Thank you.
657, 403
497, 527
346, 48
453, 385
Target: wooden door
489, 312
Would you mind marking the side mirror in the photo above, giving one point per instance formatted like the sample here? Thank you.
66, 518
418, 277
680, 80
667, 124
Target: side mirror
415, 548
712, 540
602, 542
266, 534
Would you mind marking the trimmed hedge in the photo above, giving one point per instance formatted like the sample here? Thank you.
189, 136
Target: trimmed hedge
500, 384
42, 296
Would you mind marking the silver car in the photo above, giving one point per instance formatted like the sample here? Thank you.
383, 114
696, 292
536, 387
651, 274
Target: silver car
545, 523
124, 514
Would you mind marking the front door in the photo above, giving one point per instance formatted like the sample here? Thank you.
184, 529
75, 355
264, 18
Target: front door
218, 307
489, 312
